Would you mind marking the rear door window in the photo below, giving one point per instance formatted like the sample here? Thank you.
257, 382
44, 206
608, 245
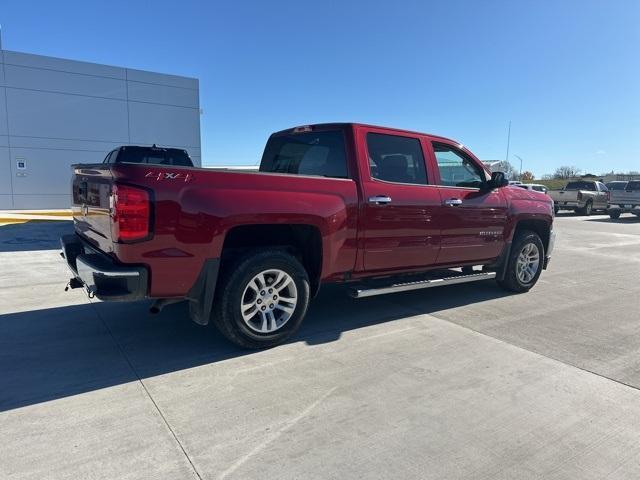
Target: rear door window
397, 159
310, 153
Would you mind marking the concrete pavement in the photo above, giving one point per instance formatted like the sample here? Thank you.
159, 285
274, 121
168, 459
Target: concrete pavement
459, 382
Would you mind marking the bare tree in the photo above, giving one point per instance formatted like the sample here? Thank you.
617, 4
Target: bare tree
565, 172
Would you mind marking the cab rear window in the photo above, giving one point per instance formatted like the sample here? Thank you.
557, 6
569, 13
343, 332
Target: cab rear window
152, 156
309, 153
581, 186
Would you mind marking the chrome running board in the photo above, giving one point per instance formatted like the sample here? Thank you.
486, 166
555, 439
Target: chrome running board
362, 291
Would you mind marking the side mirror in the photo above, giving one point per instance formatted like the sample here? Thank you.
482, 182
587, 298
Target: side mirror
498, 179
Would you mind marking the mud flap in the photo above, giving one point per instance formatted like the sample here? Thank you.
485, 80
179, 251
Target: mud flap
201, 295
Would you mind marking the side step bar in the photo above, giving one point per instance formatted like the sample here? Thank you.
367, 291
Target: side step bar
364, 291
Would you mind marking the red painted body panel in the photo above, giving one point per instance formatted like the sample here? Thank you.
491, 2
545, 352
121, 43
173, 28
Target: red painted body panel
195, 208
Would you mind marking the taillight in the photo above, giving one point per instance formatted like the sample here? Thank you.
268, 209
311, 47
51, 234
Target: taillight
579, 197
130, 213
608, 196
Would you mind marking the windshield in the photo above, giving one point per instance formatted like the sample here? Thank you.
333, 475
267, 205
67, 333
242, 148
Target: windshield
581, 186
310, 153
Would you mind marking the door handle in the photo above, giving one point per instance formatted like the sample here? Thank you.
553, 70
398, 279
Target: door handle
453, 202
380, 199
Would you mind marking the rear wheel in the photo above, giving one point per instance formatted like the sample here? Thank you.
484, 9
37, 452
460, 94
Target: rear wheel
524, 263
614, 214
587, 209
262, 299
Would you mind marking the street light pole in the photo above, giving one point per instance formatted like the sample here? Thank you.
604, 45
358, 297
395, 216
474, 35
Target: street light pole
519, 158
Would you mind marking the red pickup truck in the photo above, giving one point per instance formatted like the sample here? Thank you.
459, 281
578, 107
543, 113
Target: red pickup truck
381, 209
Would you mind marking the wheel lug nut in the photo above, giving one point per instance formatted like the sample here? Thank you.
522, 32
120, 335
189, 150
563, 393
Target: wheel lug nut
262, 292
259, 301
263, 308
271, 306
275, 297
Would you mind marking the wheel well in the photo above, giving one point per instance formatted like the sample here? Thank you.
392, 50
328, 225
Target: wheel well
302, 241
539, 226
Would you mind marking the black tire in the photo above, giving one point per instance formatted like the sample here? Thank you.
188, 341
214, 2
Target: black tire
227, 315
511, 280
556, 209
587, 209
614, 214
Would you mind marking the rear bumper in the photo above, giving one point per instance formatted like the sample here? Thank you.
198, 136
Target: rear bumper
624, 208
100, 274
568, 205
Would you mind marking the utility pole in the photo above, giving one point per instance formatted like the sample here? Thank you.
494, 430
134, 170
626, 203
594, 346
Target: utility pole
519, 158
508, 141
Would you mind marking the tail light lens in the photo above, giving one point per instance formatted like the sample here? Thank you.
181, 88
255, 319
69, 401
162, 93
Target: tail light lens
608, 196
130, 213
579, 197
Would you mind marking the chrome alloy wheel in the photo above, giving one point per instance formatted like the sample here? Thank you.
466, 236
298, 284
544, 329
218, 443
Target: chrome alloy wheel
268, 301
528, 263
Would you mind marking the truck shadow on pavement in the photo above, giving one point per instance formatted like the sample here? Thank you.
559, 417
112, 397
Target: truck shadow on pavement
59, 352
33, 235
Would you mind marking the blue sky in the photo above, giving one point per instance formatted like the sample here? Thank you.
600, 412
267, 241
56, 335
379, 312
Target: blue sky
566, 73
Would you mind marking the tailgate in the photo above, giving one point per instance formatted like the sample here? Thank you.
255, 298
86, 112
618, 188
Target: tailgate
91, 186
565, 196
628, 196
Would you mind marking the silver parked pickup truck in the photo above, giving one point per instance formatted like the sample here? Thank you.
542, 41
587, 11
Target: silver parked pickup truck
582, 196
625, 201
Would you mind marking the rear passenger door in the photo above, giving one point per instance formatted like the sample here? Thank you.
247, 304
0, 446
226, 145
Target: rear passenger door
471, 217
400, 202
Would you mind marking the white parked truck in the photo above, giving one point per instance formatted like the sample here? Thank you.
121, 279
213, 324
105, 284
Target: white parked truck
625, 201
582, 196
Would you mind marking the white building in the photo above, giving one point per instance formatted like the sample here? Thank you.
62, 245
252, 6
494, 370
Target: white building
56, 112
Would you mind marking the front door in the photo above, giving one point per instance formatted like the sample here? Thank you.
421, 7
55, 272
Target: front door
400, 205
471, 217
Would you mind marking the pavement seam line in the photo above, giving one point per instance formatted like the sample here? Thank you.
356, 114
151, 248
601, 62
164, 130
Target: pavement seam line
586, 370
273, 437
144, 387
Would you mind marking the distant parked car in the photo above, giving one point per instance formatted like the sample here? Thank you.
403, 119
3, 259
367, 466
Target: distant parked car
582, 196
533, 186
626, 200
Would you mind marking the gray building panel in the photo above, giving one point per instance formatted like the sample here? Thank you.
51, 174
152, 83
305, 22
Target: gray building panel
62, 65
162, 124
5, 178
30, 78
59, 115
163, 94
59, 112
164, 79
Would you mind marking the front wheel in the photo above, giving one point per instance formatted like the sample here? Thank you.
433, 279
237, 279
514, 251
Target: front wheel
524, 263
262, 299
614, 214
